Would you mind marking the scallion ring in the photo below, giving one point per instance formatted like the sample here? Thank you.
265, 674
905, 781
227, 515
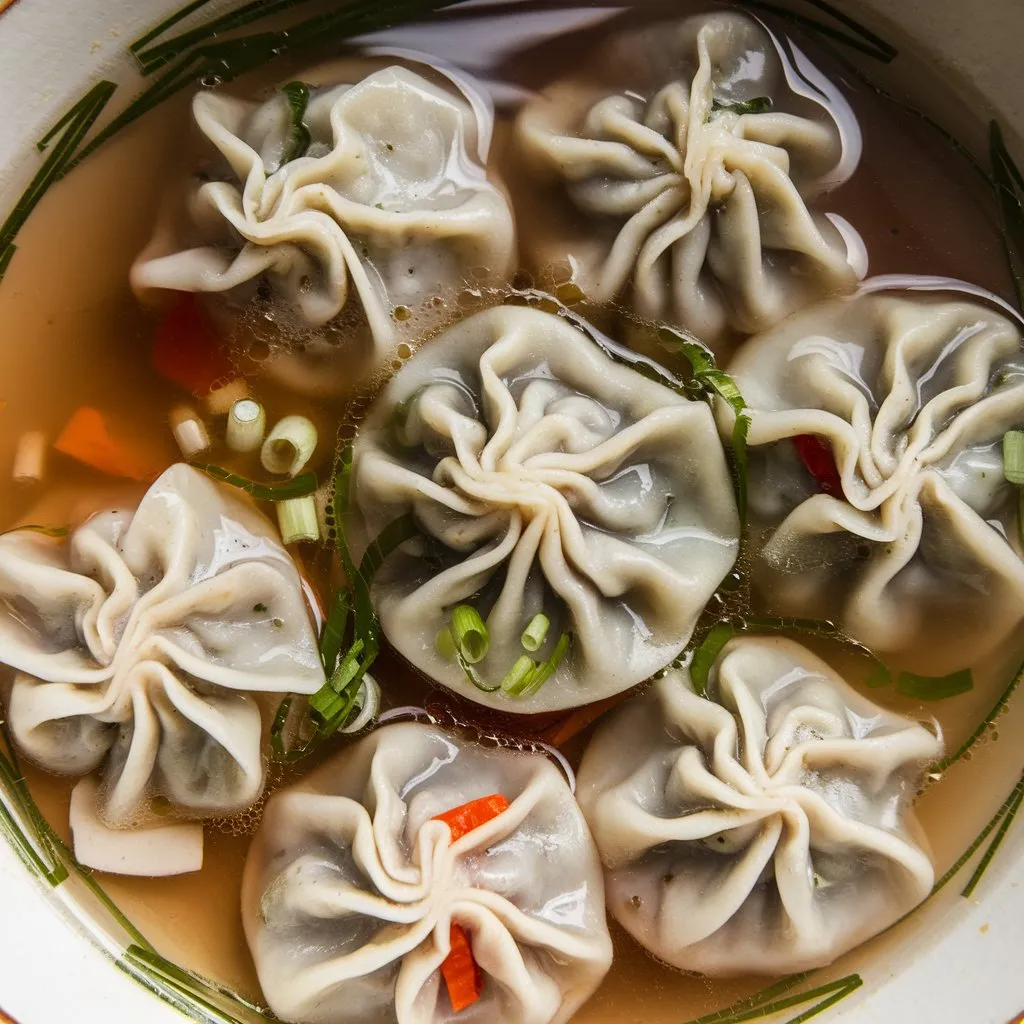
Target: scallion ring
297, 520
517, 675
369, 704
536, 632
289, 446
247, 423
469, 631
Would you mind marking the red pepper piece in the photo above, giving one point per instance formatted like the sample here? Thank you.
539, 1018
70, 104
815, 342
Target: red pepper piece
187, 351
817, 456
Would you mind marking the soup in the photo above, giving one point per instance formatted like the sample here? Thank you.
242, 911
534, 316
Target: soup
511, 344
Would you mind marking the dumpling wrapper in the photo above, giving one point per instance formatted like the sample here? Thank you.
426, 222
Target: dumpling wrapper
350, 888
153, 851
912, 395
546, 477
696, 210
765, 830
137, 641
390, 204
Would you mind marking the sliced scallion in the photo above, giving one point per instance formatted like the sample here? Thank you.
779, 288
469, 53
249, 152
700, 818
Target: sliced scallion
706, 655
189, 431
297, 488
517, 675
469, 631
445, 643
910, 684
368, 702
543, 672
1013, 457
289, 446
536, 632
297, 520
247, 423
296, 95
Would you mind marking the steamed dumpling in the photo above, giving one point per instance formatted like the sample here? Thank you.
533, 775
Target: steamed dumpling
546, 478
351, 888
137, 640
767, 829
907, 400
694, 195
387, 202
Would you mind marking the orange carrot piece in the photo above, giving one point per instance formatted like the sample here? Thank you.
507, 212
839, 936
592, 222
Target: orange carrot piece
87, 438
187, 351
460, 971
469, 816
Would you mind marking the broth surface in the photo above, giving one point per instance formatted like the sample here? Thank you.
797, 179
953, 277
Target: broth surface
77, 336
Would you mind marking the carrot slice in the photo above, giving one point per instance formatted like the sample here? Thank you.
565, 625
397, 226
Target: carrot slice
87, 438
187, 351
466, 817
460, 971
817, 456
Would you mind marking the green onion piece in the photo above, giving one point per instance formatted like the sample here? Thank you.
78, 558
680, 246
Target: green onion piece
934, 687
535, 633
473, 676
46, 531
706, 654
445, 643
757, 105
714, 381
517, 676
333, 634
277, 728
289, 446
1013, 457
329, 699
297, 488
297, 96
298, 520
543, 672
246, 425
469, 633
368, 702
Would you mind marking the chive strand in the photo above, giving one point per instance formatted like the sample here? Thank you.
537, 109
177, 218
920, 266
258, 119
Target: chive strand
76, 124
154, 33
1008, 818
298, 487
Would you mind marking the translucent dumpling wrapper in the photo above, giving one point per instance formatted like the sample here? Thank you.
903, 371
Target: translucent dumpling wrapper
765, 828
546, 478
351, 887
907, 399
693, 197
379, 197
138, 641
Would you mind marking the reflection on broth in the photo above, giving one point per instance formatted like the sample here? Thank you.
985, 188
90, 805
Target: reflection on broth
564, 509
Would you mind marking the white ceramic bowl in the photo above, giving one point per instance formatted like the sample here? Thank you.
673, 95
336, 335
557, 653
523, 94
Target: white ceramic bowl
62, 956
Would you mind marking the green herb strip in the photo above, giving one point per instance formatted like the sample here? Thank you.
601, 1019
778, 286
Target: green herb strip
299, 487
75, 125
715, 382
296, 95
765, 1004
46, 531
910, 684
757, 105
333, 703
1008, 812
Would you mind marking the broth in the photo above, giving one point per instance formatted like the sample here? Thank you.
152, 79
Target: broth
77, 337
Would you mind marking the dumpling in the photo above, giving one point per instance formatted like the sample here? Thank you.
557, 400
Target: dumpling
380, 194
546, 479
767, 829
137, 640
694, 196
905, 527
353, 890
